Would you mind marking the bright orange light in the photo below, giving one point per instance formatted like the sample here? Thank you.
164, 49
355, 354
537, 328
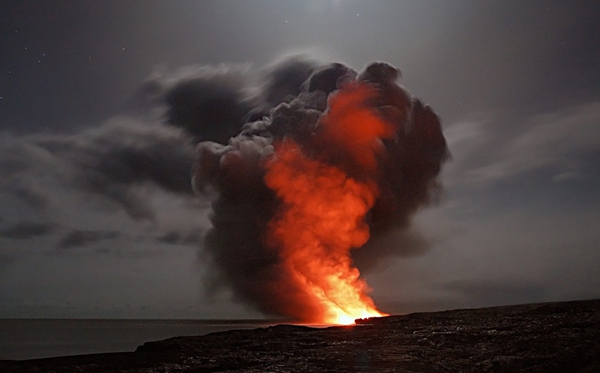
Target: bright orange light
321, 219
353, 126
323, 209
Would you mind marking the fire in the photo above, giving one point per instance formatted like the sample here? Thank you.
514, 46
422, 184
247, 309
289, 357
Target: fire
322, 218
323, 209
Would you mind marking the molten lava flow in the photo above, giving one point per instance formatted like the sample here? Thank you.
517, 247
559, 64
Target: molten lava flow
323, 209
322, 219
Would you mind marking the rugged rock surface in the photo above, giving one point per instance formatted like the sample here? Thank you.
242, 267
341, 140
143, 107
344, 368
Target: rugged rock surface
549, 337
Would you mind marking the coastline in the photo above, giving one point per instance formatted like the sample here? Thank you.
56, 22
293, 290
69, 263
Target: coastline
25, 339
561, 336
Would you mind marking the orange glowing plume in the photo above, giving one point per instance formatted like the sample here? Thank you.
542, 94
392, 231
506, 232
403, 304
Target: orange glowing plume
323, 210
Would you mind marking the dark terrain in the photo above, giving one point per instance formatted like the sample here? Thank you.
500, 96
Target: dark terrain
548, 337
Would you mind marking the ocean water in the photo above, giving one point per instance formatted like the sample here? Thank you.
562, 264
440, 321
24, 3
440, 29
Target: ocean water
37, 338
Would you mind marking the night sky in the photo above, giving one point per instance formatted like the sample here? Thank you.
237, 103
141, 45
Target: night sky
84, 232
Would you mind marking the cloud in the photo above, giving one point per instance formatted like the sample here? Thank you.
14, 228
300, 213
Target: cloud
6, 260
126, 151
284, 78
119, 160
212, 103
209, 102
561, 142
26, 229
180, 238
78, 238
104, 192
487, 292
494, 257
31, 194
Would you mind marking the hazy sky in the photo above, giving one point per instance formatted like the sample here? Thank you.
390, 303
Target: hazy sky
515, 83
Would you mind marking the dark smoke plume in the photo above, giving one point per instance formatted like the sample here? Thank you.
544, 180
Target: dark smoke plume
292, 104
113, 159
209, 102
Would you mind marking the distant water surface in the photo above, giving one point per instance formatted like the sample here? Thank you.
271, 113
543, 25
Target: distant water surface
37, 338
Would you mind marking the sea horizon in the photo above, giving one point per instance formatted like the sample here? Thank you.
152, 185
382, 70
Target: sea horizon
35, 338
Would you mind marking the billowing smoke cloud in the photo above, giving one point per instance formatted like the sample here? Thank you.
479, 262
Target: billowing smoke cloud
265, 140
362, 125
115, 161
210, 103
66, 194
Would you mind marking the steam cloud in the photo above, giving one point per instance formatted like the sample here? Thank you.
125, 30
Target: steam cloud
296, 98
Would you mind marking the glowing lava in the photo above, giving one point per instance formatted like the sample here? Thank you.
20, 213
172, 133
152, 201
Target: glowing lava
323, 209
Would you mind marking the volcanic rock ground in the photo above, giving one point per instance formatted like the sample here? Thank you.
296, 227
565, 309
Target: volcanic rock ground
549, 337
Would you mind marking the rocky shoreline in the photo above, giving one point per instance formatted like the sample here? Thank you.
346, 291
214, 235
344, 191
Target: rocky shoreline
546, 337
